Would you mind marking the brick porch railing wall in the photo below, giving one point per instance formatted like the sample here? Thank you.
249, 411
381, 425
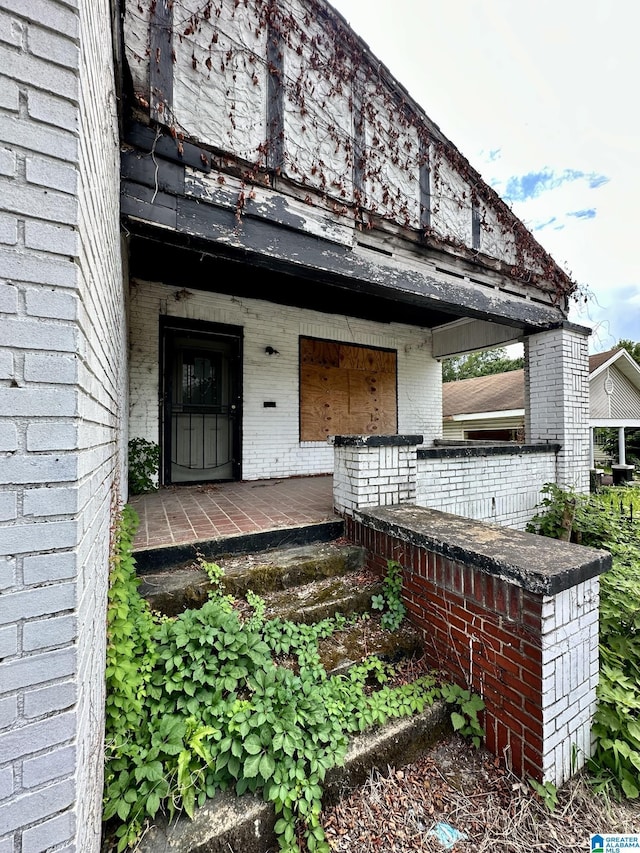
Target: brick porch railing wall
511, 615
374, 470
501, 484
508, 614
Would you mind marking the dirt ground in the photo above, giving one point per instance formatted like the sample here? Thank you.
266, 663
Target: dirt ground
469, 791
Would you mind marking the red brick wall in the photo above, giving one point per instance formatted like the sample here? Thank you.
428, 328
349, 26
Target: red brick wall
484, 632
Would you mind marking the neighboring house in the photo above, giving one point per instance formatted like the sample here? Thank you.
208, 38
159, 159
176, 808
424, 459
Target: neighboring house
484, 408
238, 239
491, 408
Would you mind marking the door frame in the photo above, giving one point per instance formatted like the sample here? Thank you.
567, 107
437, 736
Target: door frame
199, 330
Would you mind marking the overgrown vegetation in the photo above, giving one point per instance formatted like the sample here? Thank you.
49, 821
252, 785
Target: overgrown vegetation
479, 364
210, 700
144, 460
609, 520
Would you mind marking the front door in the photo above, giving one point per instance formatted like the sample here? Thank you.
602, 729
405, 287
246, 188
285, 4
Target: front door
201, 403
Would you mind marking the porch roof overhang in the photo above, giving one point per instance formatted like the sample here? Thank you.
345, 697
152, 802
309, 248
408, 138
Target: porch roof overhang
201, 242
615, 423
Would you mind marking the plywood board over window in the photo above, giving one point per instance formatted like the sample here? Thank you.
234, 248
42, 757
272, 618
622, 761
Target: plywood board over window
346, 389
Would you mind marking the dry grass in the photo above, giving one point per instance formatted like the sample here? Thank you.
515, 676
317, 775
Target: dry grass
394, 812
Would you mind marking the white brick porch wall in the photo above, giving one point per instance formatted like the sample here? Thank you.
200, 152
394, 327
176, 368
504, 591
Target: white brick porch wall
503, 489
62, 390
373, 476
271, 445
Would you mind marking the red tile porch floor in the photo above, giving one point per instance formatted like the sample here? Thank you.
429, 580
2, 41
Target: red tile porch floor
180, 515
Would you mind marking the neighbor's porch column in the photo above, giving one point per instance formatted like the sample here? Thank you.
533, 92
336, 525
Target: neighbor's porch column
557, 399
622, 454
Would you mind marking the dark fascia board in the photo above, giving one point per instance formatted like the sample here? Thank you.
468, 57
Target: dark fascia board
263, 243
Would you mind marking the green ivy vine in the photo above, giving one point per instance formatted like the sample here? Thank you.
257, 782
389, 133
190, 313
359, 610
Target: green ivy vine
211, 700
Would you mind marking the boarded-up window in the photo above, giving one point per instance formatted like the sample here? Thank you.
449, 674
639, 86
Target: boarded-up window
346, 390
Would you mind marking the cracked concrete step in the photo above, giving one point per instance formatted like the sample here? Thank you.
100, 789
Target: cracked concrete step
231, 824
319, 599
174, 590
343, 649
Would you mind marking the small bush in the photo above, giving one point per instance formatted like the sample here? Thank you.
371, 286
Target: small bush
144, 461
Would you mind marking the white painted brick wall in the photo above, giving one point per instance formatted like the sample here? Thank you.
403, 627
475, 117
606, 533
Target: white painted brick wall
557, 400
500, 489
373, 476
62, 411
570, 676
271, 445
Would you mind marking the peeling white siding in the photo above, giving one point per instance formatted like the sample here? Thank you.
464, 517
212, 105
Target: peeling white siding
392, 163
451, 203
222, 100
136, 38
317, 116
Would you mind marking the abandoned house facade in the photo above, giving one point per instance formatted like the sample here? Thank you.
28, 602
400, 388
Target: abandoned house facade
226, 229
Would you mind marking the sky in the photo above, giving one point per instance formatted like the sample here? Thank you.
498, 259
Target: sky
543, 98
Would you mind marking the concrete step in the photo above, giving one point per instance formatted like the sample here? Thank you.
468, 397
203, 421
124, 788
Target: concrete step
157, 558
175, 589
300, 584
231, 824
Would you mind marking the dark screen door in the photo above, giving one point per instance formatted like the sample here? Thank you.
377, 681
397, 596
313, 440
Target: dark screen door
201, 407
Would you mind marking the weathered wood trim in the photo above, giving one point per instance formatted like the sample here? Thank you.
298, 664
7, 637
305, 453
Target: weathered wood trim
475, 226
161, 61
275, 91
157, 172
170, 148
425, 184
359, 143
262, 242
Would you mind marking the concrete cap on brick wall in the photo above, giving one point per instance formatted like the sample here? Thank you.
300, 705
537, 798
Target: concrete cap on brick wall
374, 440
536, 563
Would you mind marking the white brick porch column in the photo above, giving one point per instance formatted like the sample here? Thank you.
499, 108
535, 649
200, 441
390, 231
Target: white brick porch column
374, 470
570, 668
557, 399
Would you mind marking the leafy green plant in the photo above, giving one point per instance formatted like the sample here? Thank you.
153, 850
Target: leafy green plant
615, 764
572, 516
465, 719
390, 600
547, 792
203, 702
144, 461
